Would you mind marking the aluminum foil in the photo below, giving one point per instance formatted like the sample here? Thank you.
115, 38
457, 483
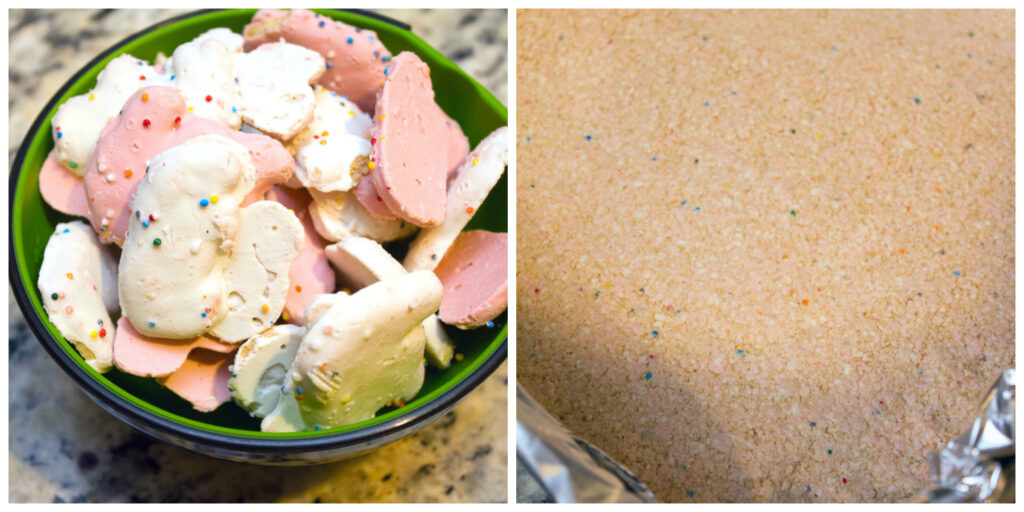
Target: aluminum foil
570, 469
979, 465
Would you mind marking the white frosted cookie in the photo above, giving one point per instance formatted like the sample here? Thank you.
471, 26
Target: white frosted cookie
78, 122
339, 214
333, 163
286, 416
203, 71
78, 284
363, 262
332, 112
331, 154
320, 305
360, 355
171, 271
233, 41
275, 95
439, 348
260, 368
268, 240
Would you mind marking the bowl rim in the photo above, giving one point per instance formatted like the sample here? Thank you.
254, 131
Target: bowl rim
109, 400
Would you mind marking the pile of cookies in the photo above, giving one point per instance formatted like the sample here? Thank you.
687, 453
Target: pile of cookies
223, 183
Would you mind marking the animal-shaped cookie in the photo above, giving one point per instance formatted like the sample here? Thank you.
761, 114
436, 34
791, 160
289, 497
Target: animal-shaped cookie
154, 120
410, 160
78, 122
480, 171
78, 285
194, 260
363, 262
310, 274
274, 90
355, 58
475, 276
359, 355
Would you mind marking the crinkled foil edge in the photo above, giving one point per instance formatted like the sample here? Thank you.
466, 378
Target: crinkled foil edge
570, 469
979, 466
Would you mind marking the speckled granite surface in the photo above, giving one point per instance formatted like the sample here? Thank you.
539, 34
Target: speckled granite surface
64, 448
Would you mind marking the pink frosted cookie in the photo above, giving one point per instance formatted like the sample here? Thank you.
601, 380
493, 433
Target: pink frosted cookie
355, 57
79, 120
473, 182
62, 190
367, 195
457, 146
156, 357
409, 160
155, 119
474, 272
203, 379
310, 274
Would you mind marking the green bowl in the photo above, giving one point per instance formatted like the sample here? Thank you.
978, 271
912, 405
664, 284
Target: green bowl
229, 432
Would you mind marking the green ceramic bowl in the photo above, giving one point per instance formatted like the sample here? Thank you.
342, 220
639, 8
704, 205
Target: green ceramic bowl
230, 432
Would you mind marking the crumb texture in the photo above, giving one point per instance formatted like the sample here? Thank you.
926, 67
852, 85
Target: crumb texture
766, 255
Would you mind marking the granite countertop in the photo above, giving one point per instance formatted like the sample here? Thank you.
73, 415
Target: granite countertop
64, 448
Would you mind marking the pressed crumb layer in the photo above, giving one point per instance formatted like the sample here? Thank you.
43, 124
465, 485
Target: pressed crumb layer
765, 255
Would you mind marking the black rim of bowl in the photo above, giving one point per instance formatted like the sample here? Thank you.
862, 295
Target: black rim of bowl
97, 391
